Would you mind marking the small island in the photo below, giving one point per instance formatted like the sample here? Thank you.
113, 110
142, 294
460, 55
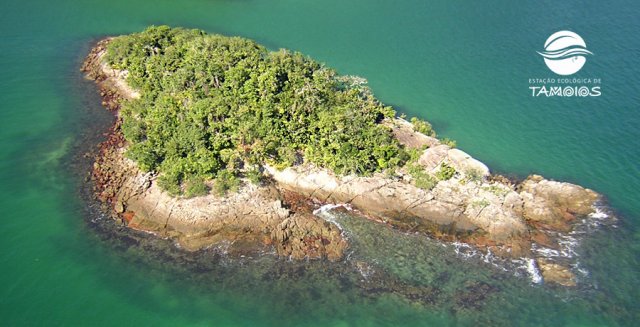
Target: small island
219, 140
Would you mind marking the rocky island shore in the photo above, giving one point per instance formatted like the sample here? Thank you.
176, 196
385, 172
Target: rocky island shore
468, 204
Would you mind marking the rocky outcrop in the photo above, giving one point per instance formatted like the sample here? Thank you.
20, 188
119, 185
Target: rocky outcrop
465, 201
295, 238
546, 201
556, 273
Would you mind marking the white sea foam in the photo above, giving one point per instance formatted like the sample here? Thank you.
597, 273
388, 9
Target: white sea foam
529, 268
467, 251
545, 252
325, 213
567, 251
328, 207
534, 272
599, 214
582, 271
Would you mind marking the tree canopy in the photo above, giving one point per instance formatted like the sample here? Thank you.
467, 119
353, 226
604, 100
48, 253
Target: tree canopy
217, 107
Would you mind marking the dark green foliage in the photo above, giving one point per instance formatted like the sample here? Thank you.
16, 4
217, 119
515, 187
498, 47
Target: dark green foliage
255, 176
195, 186
226, 181
170, 183
445, 172
212, 104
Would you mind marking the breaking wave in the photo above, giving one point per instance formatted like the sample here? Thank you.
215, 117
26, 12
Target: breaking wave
525, 267
325, 213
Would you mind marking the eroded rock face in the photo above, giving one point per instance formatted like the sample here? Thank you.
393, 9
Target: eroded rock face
458, 205
249, 220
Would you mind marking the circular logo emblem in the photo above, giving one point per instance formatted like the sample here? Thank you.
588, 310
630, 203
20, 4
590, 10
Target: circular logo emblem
564, 53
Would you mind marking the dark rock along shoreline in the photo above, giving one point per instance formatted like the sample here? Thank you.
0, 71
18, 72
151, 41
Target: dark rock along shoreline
279, 214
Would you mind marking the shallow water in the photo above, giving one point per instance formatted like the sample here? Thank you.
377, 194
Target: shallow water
463, 67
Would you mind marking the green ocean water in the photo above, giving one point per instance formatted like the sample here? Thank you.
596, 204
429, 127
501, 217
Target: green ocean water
462, 65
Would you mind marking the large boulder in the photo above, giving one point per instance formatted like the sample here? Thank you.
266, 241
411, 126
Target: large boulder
306, 236
550, 201
466, 164
556, 273
432, 157
404, 132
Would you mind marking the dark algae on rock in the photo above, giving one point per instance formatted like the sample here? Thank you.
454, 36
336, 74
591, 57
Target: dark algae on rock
220, 141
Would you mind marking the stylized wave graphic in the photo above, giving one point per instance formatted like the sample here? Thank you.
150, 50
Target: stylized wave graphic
564, 53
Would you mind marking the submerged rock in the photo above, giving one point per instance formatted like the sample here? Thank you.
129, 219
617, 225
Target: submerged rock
556, 273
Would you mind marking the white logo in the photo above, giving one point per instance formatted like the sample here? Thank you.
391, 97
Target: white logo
564, 52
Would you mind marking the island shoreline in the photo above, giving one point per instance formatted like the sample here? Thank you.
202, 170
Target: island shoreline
290, 225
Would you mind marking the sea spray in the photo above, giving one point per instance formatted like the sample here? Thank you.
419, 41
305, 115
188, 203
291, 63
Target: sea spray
533, 271
567, 251
325, 213
523, 267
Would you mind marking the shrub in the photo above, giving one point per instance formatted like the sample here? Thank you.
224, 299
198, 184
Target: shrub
480, 203
497, 190
255, 176
170, 183
226, 181
445, 172
422, 126
473, 175
421, 178
447, 141
195, 186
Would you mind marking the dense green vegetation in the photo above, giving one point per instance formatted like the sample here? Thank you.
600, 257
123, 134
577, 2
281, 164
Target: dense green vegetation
445, 172
422, 126
217, 108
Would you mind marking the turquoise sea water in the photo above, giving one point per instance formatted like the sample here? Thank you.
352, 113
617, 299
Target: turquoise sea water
462, 65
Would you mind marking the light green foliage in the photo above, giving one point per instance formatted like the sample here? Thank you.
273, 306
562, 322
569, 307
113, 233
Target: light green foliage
420, 177
414, 154
473, 175
212, 104
480, 203
445, 172
447, 141
497, 190
422, 126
